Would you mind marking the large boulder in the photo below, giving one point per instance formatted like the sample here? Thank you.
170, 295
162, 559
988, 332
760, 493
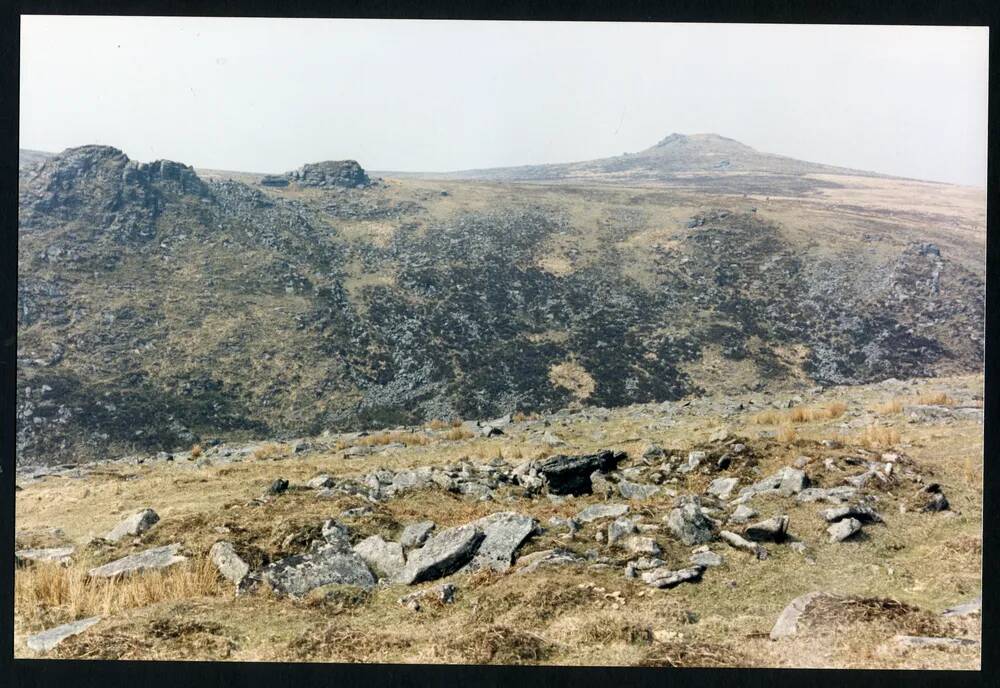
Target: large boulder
298, 574
347, 174
503, 533
566, 475
442, 554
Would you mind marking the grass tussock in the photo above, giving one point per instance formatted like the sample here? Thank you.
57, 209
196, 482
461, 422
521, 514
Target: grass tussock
786, 433
196, 451
801, 414
903, 618
879, 437
521, 416
270, 451
48, 594
934, 399
573, 377
693, 654
438, 424
458, 433
888, 408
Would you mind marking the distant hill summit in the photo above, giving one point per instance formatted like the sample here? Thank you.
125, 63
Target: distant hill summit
678, 160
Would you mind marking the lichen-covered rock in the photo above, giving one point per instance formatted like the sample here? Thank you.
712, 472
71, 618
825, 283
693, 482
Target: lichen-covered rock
689, 524
571, 474
384, 558
503, 534
415, 534
298, 574
443, 553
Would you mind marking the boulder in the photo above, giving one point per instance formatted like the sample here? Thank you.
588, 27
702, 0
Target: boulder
384, 558
320, 481
415, 534
770, 530
47, 640
707, 559
722, 487
689, 524
503, 534
841, 530
599, 511
571, 474
640, 544
442, 554
150, 559
298, 574
630, 490
742, 514
619, 529
228, 562
737, 542
136, 524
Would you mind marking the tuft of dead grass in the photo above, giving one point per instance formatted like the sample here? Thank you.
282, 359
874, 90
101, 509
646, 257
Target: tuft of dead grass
786, 433
458, 433
888, 408
270, 451
196, 451
934, 399
801, 414
405, 437
878, 437
498, 644
693, 654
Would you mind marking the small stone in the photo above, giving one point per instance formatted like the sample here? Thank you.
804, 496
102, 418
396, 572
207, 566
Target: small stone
320, 481
619, 529
443, 593
737, 542
229, 564
770, 530
665, 578
723, 487
970, 608
707, 559
599, 511
155, 558
742, 514
865, 514
277, 487
136, 524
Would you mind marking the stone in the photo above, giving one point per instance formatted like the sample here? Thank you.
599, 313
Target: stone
640, 544
601, 486
336, 535
693, 461
630, 490
665, 578
56, 555
384, 558
228, 562
722, 487
841, 530
970, 608
442, 554
787, 623
551, 439
136, 524
786, 482
571, 474
546, 558
619, 529
415, 534
150, 559
742, 514
298, 574
320, 481
770, 530
833, 495
738, 542
47, 640
504, 533
938, 502
599, 511
865, 514
442, 594
707, 559
689, 524
654, 451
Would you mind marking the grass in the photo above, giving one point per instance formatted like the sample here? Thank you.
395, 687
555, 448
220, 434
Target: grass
270, 451
786, 434
380, 439
934, 399
888, 408
801, 414
878, 437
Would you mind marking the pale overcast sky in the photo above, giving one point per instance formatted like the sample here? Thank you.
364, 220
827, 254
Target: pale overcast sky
266, 95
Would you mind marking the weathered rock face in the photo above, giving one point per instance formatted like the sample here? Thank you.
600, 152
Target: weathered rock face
346, 174
689, 524
415, 534
384, 558
47, 640
298, 574
442, 554
228, 562
571, 474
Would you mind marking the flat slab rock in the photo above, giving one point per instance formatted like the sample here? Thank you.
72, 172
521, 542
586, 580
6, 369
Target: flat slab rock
47, 640
597, 511
150, 559
571, 474
442, 554
924, 641
58, 555
298, 574
665, 578
503, 534
968, 609
788, 620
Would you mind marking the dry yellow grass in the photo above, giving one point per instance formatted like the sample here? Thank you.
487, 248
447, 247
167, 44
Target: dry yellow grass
270, 451
878, 437
573, 377
786, 433
458, 433
887, 408
196, 451
393, 437
48, 594
934, 399
520, 416
768, 417
801, 414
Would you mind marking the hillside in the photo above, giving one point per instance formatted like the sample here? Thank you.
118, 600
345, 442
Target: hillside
159, 306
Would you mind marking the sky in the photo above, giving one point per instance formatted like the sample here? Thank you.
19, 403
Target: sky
267, 95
